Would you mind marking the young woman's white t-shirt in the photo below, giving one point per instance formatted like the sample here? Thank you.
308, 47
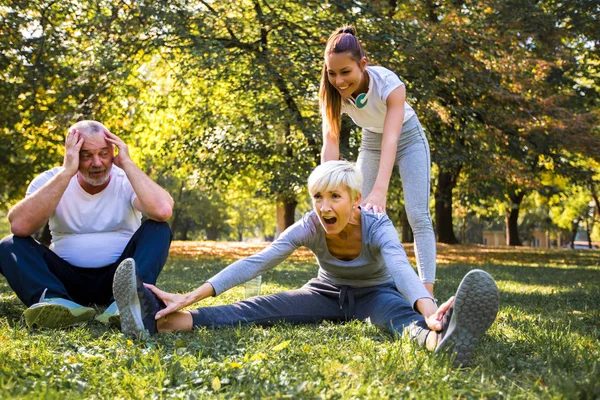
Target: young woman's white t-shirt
371, 116
92, 230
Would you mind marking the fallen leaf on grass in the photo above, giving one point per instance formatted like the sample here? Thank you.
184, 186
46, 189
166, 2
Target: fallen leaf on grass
216, 384
281, 345
259, 356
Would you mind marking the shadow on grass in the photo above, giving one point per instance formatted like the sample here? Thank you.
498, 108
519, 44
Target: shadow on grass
12, 309
567, 297
541, 275
480, 254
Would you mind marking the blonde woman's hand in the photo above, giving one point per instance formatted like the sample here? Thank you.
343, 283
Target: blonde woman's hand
434, 321
174, 302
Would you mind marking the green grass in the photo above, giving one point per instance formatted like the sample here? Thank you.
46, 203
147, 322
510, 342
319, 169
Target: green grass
4, 225
544, 343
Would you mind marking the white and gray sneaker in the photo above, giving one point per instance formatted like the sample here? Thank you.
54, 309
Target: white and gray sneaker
472, 313
137, 305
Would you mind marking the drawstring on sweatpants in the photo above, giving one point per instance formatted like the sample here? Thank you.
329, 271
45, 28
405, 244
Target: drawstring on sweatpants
345, 293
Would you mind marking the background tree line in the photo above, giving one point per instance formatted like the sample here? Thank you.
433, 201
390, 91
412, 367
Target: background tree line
219, 102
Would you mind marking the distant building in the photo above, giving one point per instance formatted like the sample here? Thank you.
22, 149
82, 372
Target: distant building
537, 238
494, 238
545, 239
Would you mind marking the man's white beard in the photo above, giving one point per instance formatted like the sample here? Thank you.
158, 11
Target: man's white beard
96, 181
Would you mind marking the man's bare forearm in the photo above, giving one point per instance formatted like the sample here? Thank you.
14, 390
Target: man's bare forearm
154, 201
31, 214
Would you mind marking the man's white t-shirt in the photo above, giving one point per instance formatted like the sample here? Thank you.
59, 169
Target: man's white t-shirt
382, 82
92, 230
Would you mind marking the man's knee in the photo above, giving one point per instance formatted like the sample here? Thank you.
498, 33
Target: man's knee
156, 225
157, 229
8, 243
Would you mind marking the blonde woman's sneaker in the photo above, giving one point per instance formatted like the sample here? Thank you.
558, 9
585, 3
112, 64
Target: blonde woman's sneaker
57, 313
110, 316
137, 305
473, 312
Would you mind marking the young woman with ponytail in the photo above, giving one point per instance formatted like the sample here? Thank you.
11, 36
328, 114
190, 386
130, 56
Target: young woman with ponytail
375, 98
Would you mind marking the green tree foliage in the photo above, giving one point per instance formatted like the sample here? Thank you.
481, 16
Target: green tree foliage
218, 99
58, 61
500, 105
575, 206
259, 59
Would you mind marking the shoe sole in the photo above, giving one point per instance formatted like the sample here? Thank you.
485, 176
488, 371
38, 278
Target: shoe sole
475, 308
57, 316
125, 293
109, 320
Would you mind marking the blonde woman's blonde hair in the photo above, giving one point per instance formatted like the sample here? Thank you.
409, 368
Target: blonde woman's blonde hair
333, 174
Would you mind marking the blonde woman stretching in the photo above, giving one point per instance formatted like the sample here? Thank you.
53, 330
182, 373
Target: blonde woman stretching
363, 274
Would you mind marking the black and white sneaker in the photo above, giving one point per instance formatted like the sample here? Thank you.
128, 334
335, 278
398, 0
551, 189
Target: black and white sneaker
137, 305
473, 312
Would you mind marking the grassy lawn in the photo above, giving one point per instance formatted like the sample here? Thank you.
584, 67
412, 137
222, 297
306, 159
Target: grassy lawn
544, 343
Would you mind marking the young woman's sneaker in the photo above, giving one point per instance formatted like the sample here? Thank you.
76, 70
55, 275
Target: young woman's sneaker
137, 305
473, 312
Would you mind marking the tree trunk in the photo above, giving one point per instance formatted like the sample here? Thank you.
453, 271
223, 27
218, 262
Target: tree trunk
392, 10
574, 228
443, 206
512, 218
184, 233
212, 233
596, 201
175, 222
406, 235
589, 227
286, 210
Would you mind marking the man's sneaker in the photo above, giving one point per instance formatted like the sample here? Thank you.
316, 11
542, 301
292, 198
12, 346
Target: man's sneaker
110, 316
473, 312
137, 305
57, 313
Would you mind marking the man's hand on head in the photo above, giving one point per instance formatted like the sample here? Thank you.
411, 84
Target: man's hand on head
151, 200
73, 144
122, 156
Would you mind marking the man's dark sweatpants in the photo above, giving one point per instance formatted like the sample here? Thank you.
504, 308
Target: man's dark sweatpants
30, 268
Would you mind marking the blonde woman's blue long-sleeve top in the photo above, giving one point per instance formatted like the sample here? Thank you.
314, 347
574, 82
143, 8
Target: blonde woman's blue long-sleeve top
381, 260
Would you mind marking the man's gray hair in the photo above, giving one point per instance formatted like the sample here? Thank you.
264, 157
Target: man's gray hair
90, 128
333, 174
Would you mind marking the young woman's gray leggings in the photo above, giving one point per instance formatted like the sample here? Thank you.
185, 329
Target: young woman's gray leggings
318, 301
414, 163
